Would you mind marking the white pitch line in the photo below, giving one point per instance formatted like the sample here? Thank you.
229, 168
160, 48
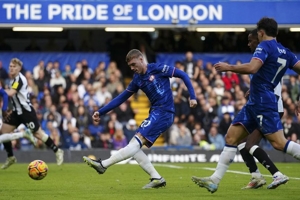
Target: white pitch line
213, 169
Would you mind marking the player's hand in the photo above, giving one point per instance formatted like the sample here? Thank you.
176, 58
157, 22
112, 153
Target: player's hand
193, 103
222, 67
247, 93
297, 110
96, 117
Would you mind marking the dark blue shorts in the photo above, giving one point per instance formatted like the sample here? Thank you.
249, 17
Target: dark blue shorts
157, 122
264, 118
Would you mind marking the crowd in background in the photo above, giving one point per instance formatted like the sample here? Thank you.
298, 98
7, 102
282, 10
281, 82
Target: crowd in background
65, 99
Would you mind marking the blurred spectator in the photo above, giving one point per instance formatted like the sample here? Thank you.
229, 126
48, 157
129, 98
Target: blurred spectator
130, 129
289, 127
68, 118
190, 66
230, 79
119, 140
75, 143
185, 137
293, 88
95, 130
82, 119
55, 136
216, 139
38, 68
124, 113
67, 72
105, 142
226, 107
33, 89
58, 80
224, 124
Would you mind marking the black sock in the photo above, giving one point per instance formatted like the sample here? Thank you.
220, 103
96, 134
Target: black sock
51, 144
249, 160
264, 159
8, 148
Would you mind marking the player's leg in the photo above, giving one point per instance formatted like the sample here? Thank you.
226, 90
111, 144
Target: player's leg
241, 126
29, 118
11, 159
6, 137
257, 180
271, 127
148, 132
234, 134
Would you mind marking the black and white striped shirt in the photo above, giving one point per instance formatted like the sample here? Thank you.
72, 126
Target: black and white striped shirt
20, 100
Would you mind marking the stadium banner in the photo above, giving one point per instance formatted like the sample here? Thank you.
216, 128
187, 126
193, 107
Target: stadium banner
164, 13
155, 155
31, 59
170, 59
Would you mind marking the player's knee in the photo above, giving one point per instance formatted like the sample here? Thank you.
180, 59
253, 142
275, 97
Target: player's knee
230, 139
278, 145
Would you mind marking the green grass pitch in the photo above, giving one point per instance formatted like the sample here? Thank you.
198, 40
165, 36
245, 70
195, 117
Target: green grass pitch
78, 181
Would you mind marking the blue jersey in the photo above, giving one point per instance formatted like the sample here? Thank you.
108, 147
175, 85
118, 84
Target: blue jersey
276, 60
155, 84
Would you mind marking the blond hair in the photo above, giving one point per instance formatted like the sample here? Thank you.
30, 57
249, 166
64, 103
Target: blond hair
17, 61
134, 53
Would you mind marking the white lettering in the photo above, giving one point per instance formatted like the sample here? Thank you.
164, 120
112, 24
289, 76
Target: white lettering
35, 11
204, 12
140, 15
214, 158
118, 10
67, 12
102, 12
78, 12
185, 12
88, 12
193, 157
53, 9
8, 7
213, 12
127, 9
171, 13
201, 158
159, 15
20, 11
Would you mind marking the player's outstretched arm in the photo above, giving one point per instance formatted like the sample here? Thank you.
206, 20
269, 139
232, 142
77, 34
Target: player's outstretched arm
180, 74
115, 102
247, 68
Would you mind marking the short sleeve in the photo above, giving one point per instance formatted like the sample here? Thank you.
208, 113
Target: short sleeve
260, 53
294, 60
166, 70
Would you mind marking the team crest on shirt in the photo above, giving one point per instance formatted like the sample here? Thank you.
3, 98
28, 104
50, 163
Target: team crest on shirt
151, 78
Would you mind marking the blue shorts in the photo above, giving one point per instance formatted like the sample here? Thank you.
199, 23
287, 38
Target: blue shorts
264, 118
157, 122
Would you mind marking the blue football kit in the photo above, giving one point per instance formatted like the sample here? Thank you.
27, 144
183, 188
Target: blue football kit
261, 110
155, 84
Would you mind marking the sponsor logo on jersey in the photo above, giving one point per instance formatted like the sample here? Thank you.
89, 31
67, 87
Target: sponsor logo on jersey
165, 69
151, 78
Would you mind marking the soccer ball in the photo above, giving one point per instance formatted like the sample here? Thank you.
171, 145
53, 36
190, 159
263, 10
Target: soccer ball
37, 170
